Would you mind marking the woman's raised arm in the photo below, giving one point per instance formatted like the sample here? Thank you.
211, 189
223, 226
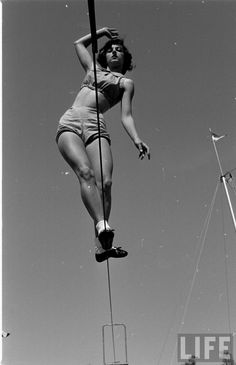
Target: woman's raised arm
81, 45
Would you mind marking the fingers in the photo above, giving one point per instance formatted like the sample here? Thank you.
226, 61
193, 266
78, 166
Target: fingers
113, 33
143, 150
149, 153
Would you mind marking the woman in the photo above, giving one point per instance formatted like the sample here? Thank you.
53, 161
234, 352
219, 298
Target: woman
78, 136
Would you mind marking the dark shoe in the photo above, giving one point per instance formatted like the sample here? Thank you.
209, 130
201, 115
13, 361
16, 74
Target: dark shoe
114, 252
106, 238
103, 256
117, 252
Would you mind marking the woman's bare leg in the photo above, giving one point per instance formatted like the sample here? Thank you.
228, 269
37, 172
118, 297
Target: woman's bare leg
73, 150
107, 167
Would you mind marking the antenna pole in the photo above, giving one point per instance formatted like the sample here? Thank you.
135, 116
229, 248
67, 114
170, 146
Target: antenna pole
225, 185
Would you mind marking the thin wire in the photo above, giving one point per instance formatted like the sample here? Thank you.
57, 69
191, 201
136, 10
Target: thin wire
166, 337
203, 234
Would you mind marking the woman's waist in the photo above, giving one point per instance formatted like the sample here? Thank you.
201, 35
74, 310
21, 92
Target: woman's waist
84, 110
87, 98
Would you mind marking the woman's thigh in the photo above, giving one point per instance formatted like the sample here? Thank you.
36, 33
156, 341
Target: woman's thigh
73, 150
107, 161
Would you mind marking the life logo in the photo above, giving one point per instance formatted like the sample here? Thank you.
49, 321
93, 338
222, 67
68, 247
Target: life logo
204, 347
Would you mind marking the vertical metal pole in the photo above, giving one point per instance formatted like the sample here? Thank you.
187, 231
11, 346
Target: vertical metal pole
92, 20
126, 350
93, 28
111, 312
225, 186
229, 201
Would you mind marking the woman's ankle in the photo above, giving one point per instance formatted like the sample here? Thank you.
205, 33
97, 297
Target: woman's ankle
102, 226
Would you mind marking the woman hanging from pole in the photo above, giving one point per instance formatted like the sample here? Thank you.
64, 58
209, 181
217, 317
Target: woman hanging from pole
78, 135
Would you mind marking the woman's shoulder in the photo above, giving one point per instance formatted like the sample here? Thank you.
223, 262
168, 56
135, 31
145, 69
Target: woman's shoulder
128, 84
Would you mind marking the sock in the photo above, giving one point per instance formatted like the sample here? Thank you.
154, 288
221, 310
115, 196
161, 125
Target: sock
102, 226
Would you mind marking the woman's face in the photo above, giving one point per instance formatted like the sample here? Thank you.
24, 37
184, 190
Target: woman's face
115, 57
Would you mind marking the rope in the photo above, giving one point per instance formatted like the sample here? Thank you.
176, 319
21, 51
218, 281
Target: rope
92, 19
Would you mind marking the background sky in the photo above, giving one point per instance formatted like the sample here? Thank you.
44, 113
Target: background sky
55, 296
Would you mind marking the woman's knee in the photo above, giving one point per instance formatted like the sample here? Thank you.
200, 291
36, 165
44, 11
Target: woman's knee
107, 184
84, 173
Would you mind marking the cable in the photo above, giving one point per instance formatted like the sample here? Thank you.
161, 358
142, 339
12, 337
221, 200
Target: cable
166, 337
203, 237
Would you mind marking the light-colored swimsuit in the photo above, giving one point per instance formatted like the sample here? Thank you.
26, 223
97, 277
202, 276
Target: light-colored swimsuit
83, 120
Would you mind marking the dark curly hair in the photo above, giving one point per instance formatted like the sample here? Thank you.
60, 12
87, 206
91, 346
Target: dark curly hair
101, 58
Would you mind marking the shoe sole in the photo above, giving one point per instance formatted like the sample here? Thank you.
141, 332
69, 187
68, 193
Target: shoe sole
102, 257
112, 253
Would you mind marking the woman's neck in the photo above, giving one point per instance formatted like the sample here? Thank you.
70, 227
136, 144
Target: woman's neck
115, 70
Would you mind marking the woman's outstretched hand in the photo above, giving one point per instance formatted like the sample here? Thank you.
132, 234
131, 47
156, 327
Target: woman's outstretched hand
111, 33
143, 150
